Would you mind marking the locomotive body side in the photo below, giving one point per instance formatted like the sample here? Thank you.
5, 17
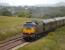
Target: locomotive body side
38, 28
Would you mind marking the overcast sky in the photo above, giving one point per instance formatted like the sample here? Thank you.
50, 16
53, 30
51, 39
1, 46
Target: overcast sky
30, 2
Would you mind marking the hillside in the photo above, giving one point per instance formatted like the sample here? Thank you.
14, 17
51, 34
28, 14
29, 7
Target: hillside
54, 10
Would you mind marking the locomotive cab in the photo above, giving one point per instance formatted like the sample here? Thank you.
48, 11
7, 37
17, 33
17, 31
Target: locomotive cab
32, 30
29, 28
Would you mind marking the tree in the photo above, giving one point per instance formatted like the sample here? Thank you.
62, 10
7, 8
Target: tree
5, 12
25, 13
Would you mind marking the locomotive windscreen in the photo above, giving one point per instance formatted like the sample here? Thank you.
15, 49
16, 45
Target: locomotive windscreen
28, 25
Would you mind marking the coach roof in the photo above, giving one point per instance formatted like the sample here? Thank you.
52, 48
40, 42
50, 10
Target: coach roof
60, 18
48, 20
53, 19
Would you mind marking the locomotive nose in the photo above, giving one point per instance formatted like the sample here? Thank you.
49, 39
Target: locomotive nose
28, 30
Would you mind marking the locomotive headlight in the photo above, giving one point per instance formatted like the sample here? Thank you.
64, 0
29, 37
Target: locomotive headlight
33, 30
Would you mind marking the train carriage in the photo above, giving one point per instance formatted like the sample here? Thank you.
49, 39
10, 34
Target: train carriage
63, 20
49, 24
60, 21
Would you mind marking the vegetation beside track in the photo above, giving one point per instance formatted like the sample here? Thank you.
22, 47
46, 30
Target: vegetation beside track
53, 41
10, 26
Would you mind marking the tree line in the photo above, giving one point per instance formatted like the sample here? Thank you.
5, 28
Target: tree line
41, 12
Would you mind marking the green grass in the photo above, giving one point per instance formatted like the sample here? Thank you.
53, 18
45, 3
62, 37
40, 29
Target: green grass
10, 26
53, 41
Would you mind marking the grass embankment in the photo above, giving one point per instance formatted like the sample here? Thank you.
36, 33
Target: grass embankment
10, 26
53, 41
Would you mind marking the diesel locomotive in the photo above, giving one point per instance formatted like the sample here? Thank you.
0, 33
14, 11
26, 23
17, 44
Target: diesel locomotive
34, 28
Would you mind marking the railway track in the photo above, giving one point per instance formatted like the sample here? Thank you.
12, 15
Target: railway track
11, 43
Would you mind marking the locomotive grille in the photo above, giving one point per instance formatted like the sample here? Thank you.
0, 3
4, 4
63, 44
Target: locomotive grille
28, 30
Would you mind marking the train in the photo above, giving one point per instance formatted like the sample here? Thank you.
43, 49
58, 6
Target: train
33, 29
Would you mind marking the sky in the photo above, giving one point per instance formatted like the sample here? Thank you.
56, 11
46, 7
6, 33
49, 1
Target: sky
30, 2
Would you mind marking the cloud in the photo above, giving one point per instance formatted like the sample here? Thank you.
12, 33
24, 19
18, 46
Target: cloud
30, 2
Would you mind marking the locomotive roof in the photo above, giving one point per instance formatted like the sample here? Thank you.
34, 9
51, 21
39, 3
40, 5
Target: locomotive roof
30, 23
